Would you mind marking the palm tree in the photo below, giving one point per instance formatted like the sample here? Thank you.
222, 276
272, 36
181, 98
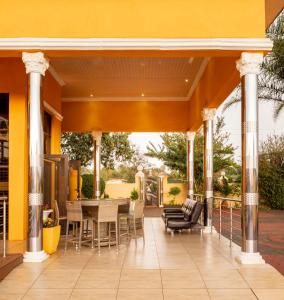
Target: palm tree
271, 79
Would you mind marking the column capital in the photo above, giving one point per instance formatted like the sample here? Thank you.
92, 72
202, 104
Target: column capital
249, 63
97, 136
190, 135
208, 114
35, 62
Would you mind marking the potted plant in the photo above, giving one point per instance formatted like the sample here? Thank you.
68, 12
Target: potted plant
51, 236
134, 195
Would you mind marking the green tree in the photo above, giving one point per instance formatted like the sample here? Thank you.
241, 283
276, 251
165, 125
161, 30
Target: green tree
271, 171
271, 79
115, 147
173, 152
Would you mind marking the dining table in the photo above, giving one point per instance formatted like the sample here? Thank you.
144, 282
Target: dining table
90, 208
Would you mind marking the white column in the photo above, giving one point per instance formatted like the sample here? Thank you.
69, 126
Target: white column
190, 136
249, 68
97, 136
208, 119
36, 65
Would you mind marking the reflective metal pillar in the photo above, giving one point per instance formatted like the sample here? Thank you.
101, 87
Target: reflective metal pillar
249, 68
97, 163
36, 65
190, 136
208, 117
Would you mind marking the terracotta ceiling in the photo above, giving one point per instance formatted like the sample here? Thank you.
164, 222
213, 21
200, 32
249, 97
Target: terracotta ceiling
127, 78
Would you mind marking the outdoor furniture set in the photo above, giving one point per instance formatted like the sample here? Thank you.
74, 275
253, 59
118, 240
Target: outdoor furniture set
103, 222
185, 217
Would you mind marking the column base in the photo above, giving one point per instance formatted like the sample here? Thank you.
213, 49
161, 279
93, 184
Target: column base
208, 229
38, 256
250, 259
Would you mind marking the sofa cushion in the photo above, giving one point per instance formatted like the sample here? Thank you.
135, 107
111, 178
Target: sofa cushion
196, 213
189, 210
178, 224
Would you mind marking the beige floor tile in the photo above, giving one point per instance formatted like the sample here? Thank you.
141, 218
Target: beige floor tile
109, 274
97, 284
176, 274
139, 294
94, 294
269, 294
185, 294
189, 283
136, 275
48, 294
54, 284
232, 294
11, 297
140, 284
59, 275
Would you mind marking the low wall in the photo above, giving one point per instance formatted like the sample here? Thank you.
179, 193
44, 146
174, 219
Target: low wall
116, 190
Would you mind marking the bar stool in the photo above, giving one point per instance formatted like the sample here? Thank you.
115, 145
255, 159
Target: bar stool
107, 213
137, 214
75, 216
123, 223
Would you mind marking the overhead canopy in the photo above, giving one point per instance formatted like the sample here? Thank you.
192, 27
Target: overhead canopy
138, 65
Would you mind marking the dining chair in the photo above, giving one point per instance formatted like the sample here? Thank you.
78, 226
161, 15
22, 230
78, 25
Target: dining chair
75, 216
107, 213
136, 215
58, 218
123, 222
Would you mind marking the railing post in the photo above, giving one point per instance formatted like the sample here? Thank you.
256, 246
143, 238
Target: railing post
4, 227
220, 219
231, 224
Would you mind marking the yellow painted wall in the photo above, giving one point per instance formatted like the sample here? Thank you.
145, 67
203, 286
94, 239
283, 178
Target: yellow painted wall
132, 18
55, 135
117, 190
13, 81
180, 198
125, 116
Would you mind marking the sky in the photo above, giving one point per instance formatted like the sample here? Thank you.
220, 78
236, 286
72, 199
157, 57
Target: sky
232, 118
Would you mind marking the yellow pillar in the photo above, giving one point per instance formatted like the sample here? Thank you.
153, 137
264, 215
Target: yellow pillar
18, 167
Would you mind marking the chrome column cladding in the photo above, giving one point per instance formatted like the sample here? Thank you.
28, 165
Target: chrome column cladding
249, 67
190, 136
97, 136
36, 65
208, 118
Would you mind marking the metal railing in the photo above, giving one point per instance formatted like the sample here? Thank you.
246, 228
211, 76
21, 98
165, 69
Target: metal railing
228, 213
3, 207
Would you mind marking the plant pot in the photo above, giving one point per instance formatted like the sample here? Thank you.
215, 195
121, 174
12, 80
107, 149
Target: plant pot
51, 237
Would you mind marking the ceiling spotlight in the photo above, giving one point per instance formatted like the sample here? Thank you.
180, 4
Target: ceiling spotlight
142, 94
186, 80
91, 95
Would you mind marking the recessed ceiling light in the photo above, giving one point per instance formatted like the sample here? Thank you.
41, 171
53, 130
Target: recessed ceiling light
142, 94
91, 95
186, 80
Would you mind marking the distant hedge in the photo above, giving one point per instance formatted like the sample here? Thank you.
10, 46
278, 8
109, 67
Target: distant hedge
88, 185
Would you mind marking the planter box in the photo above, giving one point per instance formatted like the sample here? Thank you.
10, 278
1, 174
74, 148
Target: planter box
51, 237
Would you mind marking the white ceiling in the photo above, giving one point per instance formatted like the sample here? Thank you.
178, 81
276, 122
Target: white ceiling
127, 78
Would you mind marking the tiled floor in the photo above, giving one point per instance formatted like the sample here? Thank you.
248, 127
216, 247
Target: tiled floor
180, 266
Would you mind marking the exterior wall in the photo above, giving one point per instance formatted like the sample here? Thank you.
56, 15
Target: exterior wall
117, 190
148, 19
13, 80
179, 199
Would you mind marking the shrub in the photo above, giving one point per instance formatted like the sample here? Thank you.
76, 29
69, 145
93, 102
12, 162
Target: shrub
88, 185
174, 191
134, 195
